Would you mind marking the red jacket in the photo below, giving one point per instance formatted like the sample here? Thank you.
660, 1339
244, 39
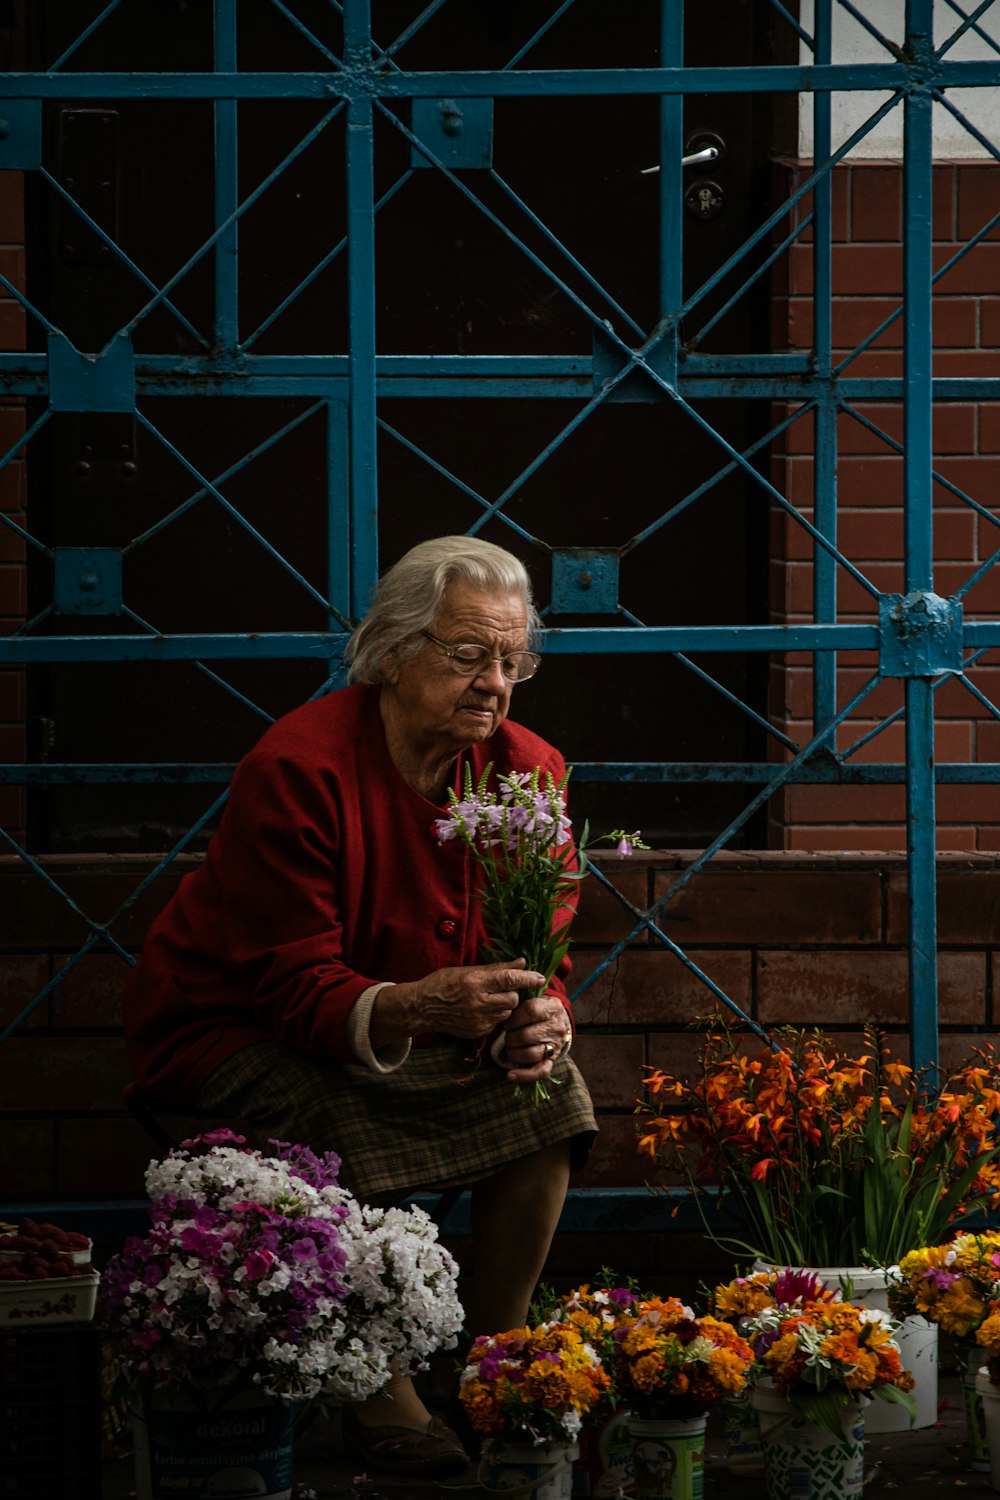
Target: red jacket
324, 878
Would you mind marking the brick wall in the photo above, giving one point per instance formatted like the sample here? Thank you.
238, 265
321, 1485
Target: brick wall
867, 285
792, 938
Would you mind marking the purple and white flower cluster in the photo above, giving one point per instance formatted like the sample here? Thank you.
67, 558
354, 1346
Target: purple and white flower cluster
263, 1268
526, 816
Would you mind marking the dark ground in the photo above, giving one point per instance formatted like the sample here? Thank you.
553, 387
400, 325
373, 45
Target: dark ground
915, 1465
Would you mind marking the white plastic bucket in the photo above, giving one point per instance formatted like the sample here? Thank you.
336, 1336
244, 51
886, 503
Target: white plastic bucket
542, 1471
668, 1458
227, 1447
804, 1461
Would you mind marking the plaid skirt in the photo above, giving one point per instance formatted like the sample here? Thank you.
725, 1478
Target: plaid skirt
436, 1121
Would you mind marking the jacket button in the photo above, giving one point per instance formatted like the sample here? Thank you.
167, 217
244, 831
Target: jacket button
446, 928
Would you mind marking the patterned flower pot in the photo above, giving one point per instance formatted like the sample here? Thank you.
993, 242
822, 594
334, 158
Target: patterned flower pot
668, 1458
542, 1471
228, 1446
804, 1461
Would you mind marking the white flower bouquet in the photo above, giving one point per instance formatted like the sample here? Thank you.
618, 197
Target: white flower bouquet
263, 1269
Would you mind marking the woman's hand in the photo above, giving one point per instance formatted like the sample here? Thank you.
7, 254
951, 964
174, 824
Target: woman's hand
535, 1037
467, 1002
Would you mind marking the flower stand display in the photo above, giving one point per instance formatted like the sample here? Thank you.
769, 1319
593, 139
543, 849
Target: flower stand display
224, 1446
989, 1399
668, 1458
541, 1471
804, 1461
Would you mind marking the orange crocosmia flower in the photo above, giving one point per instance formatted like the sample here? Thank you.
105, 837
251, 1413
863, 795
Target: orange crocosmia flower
760, 1169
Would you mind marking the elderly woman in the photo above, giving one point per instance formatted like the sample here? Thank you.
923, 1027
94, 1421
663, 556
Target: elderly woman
319, 975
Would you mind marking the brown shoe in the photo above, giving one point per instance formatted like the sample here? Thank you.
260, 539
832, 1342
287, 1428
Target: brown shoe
404, 1450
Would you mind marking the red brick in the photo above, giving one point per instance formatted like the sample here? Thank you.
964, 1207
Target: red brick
91, 993
875, 479
854, 437
968, 908
988, 740
29, 1146
753, 907
12, 743
876, 202
655, 988
22, 976
846, 839
852, 988
989, 427
43, 919
800, 436
953, 700
944, 194
46, 1072
967, 364
602, 918
978, 271
612, 1066
846, 804
968, 804
955, 320
978, 199
855, 319
976, 477
989, 322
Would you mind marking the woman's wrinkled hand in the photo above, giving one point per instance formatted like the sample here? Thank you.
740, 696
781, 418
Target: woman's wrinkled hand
468, 1002
535, 1037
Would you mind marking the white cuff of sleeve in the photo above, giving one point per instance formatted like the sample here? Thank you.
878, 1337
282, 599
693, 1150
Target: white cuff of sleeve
389, 1057
499, 1042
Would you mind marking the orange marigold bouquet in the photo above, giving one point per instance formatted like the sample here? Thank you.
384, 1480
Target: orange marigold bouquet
668, 1363
532, 1384
599, 1314
952, 1284
825, 1354
833, 1159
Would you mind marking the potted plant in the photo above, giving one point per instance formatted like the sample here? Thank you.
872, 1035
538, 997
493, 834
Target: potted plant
528, 1392
670, 1368
834, 1160
817, 1364
262, 1283
954, 1286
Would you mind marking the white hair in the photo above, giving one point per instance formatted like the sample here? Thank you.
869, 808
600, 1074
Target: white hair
409, 597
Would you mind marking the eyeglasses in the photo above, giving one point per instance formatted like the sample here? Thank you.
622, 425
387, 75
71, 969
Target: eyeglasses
470, 660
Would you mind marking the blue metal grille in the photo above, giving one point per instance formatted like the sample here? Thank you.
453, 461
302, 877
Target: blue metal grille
349, 88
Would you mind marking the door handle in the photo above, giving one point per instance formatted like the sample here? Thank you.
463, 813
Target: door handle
696, 159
